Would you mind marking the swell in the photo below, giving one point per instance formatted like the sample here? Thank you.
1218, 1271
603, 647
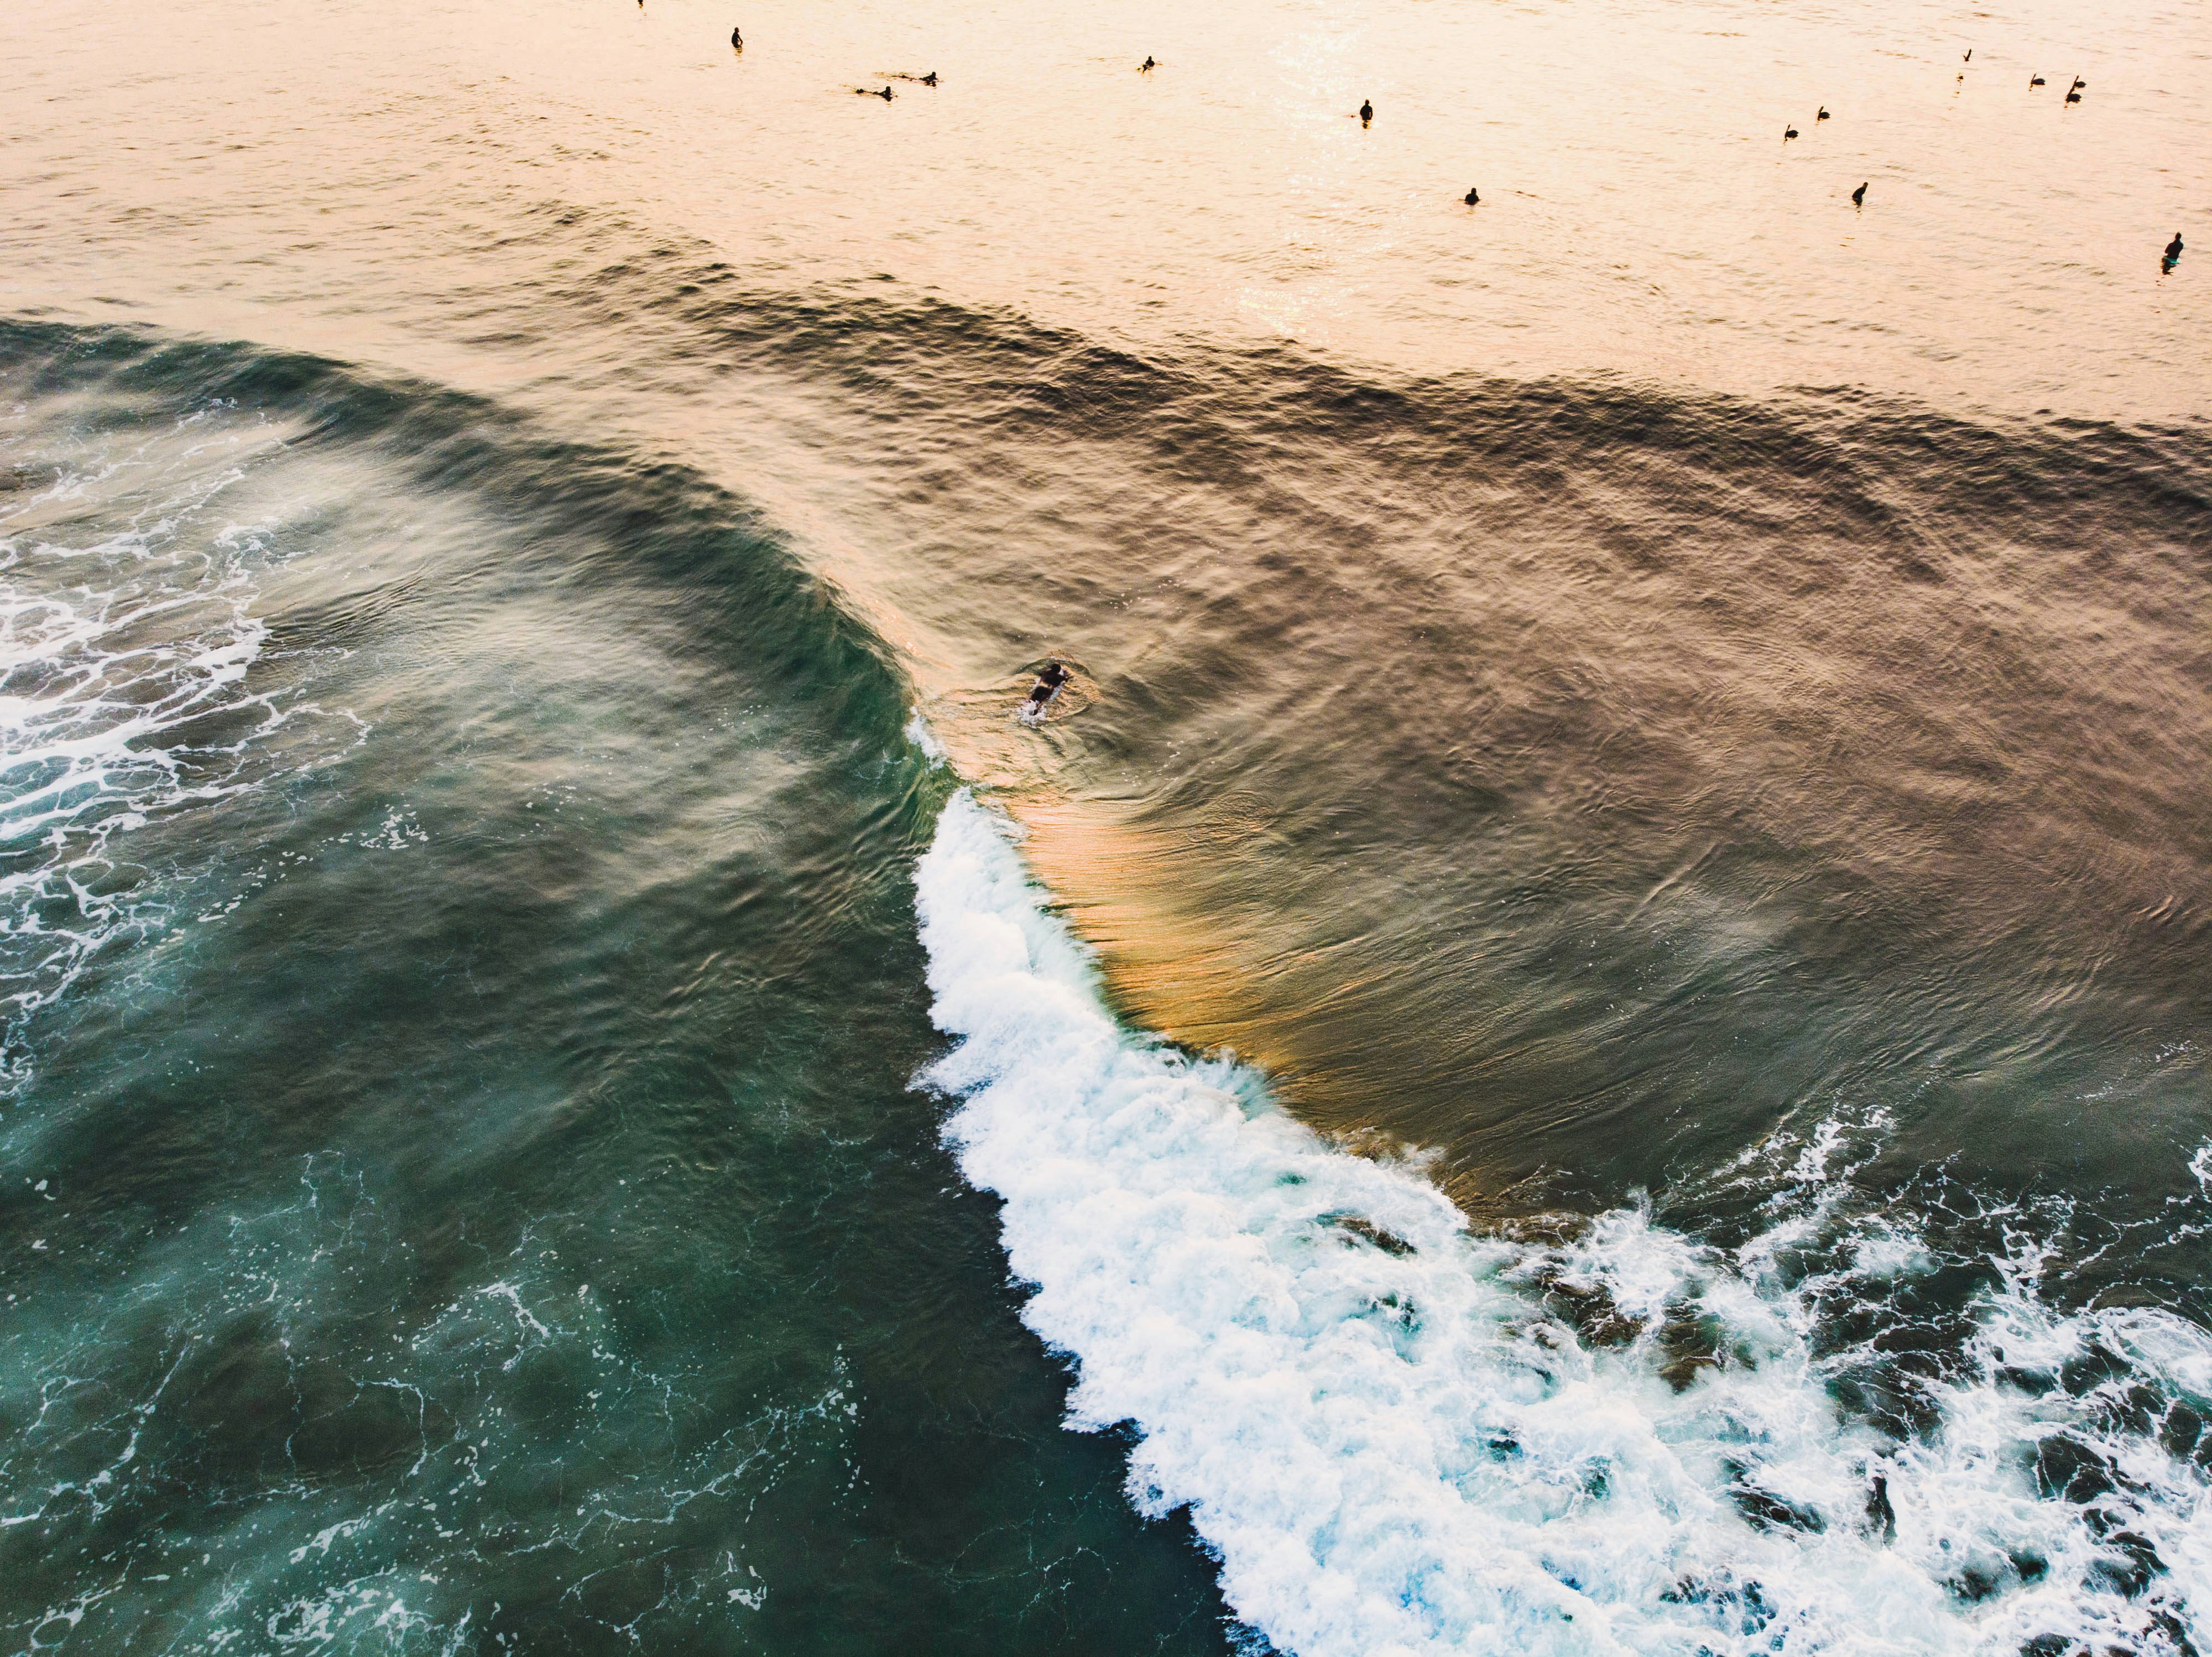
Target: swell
1219, 413
1400, 1435
448, 441
159, 664
428, 1222
1859, 736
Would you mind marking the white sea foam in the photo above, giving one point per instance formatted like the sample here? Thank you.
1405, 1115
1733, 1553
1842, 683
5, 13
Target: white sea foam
918, 732
1394, 1442
126, 666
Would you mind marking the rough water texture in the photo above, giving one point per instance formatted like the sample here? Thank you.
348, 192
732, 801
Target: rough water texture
1395, 1444
1680, 696
428, 1222
123, 695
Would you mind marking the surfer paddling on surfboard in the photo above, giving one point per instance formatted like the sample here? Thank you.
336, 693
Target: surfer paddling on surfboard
1043, 693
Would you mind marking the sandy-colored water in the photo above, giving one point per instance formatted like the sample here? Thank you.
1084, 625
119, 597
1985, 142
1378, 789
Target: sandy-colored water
1641, 214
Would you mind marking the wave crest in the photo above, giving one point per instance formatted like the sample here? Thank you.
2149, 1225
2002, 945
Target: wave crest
1399, 1436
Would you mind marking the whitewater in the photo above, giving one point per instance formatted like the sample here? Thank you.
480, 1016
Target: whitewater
1394, 1442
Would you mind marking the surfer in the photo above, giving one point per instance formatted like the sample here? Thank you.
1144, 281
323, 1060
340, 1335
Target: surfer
1880, 1511
1047, 687
1147, 66
738, 38
1473, 197
2171, 257
870, 92
1858, 197
1366, 112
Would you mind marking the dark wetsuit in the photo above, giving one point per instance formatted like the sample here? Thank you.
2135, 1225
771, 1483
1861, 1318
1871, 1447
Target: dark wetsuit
1048, 681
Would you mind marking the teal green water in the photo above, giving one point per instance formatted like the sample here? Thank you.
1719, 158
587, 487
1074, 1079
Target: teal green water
468, 1195
535, 1116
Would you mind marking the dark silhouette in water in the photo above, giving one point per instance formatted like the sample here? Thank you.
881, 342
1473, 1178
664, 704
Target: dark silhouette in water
1858, 197
1047, 687
2072, 97
1823, 115
2171, 257
1879, 1513
1147, 66
1473, 196
1366, 111
1788, 133
1969, 58
2035, 80
870, 92
929, 79
738, 38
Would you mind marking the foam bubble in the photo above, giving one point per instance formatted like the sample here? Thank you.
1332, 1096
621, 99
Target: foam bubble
918, 732
1399, 1436
127, 694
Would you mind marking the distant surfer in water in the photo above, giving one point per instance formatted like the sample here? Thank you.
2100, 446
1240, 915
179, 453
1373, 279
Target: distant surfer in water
870, 92
1858, 197
738, 38
1147, 66
2171, 257
1878, 1510
1366, 112
1042, 693
1473, 197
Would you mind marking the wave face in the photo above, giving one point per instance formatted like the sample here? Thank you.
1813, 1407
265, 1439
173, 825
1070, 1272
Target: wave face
458, 901
1401, 1437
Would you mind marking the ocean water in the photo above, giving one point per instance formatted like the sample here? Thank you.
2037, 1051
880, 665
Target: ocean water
1585, 1031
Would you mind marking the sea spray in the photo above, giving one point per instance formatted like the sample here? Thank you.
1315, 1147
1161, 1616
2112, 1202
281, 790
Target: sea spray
1383, 1426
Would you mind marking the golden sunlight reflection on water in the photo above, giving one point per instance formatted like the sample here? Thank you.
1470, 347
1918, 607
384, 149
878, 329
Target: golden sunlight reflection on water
1641, 212
523, 199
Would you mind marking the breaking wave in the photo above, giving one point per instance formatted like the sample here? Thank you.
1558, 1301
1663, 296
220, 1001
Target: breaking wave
1400, 1435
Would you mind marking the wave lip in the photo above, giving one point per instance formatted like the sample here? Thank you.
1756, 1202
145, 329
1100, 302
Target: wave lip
1263, 1307
1393, 1447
